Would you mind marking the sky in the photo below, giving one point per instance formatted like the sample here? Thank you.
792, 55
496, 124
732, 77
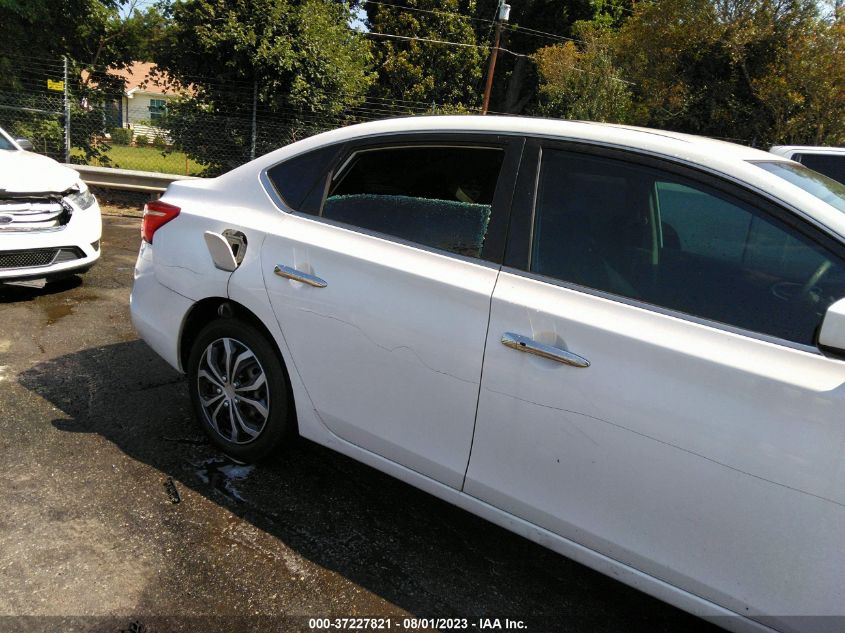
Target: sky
138, 4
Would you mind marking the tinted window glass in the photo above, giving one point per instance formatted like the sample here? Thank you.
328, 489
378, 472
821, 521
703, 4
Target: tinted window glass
830, 165
436, 196
648, 235
300, 181
711, 226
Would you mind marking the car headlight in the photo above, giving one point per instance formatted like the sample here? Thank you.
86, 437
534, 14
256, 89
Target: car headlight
82, 198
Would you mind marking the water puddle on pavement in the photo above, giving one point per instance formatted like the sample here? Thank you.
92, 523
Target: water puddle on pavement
222, 474
58, 307
57, 312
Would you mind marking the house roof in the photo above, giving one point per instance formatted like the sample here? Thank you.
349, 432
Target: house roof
137, 77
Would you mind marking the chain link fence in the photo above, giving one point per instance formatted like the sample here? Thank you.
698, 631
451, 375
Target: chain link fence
34, 109
149, 128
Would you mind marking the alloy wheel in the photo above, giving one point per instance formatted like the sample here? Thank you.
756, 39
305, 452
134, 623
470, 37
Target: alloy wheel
233, 390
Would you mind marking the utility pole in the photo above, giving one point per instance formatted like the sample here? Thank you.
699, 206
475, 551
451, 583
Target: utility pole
502, 15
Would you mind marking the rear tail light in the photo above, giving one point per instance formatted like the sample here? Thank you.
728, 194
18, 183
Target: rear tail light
156, 215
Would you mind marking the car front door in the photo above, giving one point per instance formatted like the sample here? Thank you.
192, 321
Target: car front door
382, 290
651, 389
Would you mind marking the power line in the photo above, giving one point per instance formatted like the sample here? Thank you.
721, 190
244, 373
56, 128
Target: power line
510, 27
524, 30
392, 100
432, 11
505, 50
445, 42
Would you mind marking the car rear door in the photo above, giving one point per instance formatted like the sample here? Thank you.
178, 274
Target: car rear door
382, 289
651, 389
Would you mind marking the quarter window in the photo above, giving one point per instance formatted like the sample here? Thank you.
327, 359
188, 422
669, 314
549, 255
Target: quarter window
651, 236
439, 197
301, 180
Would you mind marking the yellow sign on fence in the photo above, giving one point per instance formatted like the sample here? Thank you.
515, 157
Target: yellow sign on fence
55, 85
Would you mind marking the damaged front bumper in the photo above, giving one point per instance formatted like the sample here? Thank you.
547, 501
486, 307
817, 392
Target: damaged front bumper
48, 236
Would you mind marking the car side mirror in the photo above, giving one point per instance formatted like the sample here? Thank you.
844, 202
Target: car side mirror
25, 144
832, 332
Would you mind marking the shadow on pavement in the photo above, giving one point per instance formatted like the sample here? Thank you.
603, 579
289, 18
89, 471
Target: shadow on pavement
15, 294
404, 546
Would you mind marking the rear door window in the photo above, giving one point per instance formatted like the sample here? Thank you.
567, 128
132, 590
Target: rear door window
440, 197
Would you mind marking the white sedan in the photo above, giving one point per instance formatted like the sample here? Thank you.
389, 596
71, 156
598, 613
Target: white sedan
624, 344
50, 224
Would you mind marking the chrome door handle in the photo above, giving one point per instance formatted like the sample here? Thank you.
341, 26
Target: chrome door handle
297, 275
530, 346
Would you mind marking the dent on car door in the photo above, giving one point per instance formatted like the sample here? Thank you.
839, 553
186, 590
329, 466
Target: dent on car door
382, 289
701, 443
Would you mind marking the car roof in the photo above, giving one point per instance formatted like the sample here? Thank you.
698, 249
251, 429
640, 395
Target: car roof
663, 142
716, 155
728, 160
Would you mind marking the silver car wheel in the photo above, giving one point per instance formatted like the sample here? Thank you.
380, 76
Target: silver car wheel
233, 390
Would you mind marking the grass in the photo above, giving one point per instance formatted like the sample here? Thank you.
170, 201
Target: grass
150, 159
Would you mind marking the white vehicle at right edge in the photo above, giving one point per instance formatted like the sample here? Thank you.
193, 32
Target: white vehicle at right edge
829, 161
624, 344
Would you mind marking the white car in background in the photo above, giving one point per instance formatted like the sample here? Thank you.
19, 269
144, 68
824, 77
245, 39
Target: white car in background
624, 344
50, 223
829, 161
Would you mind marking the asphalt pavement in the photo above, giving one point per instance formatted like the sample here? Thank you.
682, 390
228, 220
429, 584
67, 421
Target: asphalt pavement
118, 516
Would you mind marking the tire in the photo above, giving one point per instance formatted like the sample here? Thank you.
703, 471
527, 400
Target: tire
242, 404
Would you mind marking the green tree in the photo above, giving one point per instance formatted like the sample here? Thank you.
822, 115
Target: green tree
52, 28
535, 24
581, 82
307, 65
424, 71
144, 28
710, 66
803, 89
95, 37
93, 34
